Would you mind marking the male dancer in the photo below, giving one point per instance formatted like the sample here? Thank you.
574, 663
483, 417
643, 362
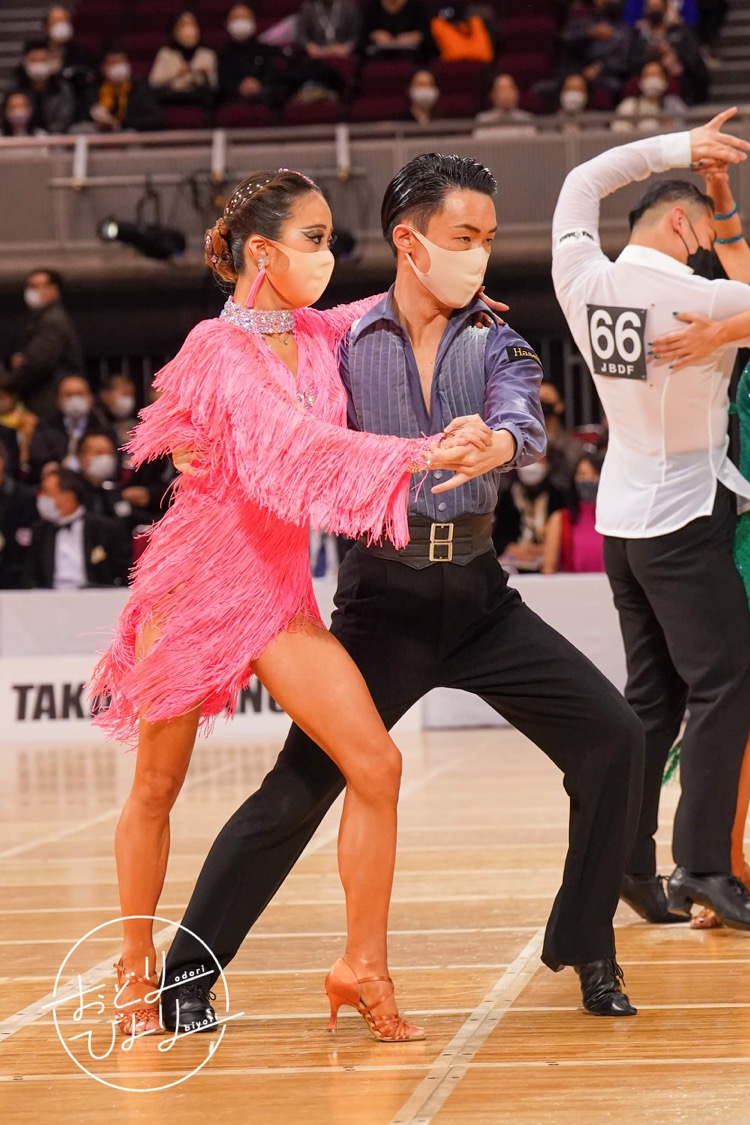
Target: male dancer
665, 501
440, 612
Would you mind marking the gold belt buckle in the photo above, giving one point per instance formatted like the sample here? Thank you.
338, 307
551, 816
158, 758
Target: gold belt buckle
443, 543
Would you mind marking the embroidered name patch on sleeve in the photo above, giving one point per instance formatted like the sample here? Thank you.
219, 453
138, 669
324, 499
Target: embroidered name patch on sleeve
514, 352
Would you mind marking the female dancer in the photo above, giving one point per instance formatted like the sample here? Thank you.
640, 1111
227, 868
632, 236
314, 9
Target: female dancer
224, 591
690, 345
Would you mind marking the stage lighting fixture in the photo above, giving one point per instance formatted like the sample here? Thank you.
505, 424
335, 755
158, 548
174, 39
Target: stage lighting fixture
151, 239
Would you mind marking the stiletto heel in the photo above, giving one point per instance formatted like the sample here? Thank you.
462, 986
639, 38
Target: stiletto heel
143, 1020
343, 987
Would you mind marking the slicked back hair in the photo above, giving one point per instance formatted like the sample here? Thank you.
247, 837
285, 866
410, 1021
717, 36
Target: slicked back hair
670, 193
419, 189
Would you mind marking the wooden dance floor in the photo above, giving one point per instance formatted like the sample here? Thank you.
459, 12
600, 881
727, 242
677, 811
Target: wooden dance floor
483, 822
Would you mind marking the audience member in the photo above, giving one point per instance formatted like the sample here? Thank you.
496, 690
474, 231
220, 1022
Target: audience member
522, 513
185, 70
52, 98
117, 404
671, 42
560, 441
504, 118
424, 98
461, 35
397, 29
574, 100
654, 109
711, 16
122, 102
328, 28
17, 113
601, 46
17, 424
75, 63
245, 64
571, 543
71, 548
17, 517
56, 440
49, 344
99, 469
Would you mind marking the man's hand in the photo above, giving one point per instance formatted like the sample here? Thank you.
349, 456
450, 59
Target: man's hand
708, 145
136, 495
467, 461
469, 430
690, 345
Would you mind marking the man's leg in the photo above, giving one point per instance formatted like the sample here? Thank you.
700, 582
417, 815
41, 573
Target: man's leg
261, 842
699, 599
654, 690
558, 699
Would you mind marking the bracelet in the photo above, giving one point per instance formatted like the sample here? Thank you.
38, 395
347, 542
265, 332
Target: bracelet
727, 215
729, 241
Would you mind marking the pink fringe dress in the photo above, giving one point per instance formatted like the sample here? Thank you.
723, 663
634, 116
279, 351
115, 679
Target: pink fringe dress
227, 568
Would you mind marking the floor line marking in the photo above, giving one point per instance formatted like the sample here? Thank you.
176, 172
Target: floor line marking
436, 1087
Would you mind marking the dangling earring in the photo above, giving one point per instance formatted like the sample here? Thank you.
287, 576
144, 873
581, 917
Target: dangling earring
261, 263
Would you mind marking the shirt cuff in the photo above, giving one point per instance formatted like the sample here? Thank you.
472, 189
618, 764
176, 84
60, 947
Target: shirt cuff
675, 150
517, 436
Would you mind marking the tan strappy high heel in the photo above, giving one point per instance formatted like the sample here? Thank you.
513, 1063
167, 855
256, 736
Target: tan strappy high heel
142, 1020
343, 987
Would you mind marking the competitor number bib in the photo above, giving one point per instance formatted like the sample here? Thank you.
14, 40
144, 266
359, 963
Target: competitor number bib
616, 337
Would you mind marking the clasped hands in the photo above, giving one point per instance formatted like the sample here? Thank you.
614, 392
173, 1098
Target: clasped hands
469, 449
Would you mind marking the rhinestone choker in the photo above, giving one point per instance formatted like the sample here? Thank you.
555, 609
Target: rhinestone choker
264, 322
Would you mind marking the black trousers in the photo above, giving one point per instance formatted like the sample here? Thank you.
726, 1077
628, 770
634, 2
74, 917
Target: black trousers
410, 631
686, 627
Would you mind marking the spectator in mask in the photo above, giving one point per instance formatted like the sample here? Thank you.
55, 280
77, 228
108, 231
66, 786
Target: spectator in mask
599, 44
49, 344
571, 543
99, 469
52, 98
71, 548
665, 38
73, 62
117, 404
565, 447
574, 100
17, 517
522, 513
504, 118
245, 64
185, 71
328, 29
654, 109
57, 440
16, 114
424, 98
397, 29
121, 102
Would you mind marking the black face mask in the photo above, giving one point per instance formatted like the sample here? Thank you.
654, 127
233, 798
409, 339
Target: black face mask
611, 11
587, 490
703, 262
655, 18
549, 409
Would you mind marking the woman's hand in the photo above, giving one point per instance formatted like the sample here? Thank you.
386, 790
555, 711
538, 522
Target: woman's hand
484, 320
187, 461
690, 345
469, 430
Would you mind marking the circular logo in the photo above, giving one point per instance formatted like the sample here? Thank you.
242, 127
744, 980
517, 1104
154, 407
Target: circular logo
83, 1012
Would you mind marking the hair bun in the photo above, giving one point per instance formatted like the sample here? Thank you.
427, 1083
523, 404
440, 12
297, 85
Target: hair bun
218, 254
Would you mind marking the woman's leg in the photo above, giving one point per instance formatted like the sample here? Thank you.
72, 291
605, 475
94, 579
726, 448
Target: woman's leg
142, 833
312, 677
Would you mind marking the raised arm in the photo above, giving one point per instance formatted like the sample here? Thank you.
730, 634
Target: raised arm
337, 321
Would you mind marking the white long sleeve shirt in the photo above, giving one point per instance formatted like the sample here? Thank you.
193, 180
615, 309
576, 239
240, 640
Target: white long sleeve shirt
668, 429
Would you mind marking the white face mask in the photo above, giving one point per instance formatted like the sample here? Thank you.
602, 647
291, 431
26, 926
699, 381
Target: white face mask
47, 509
653, 87
118, 73
61, 32
102, 467
75, 406
32, 297
18, 117
572, 101
532, 475
123, 406
37, 71
424, 96
306, 278
454, 276
241, 29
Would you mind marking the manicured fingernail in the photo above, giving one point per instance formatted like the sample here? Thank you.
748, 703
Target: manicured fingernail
656, 357
675, 314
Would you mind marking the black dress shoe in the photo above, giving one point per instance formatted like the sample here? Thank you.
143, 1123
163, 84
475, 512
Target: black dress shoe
645, 894
189, 1005
601, 989
726, 895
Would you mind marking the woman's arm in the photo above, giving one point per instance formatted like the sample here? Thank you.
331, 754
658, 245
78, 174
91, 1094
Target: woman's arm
730, 245
337, 321
552, 543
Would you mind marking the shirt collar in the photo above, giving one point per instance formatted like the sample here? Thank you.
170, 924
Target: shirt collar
77, 515
386, 310
654, 259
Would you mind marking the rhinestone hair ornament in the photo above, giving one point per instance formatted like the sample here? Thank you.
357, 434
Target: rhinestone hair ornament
236, 200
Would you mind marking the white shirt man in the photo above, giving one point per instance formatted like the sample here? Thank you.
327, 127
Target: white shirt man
668, 521
70, 561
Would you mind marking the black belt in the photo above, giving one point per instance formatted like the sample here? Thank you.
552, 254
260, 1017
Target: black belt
457, 542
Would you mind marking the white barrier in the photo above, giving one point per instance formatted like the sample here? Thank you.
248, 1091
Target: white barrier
48, 642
